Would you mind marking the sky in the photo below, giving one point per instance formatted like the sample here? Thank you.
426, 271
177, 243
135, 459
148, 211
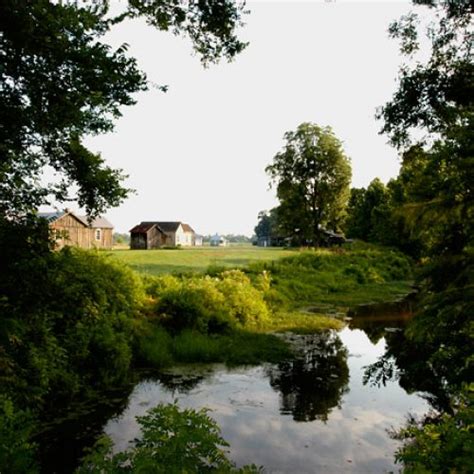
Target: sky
198, 153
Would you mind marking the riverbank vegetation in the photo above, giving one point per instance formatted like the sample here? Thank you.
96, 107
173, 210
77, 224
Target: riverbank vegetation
77, 322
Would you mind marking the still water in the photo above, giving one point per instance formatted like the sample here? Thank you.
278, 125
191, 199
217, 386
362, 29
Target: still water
311, 414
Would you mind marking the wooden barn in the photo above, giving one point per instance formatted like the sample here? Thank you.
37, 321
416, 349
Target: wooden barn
74, 230
156, 234
147, 235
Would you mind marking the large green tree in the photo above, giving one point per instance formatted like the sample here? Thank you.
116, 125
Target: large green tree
435, 99
60, 81
312, 176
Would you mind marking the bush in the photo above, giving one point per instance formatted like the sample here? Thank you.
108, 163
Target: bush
172, 441
17, 452
69, 327
154, 347
208, 305
442, 444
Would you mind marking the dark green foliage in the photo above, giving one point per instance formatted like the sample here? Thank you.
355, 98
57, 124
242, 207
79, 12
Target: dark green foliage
434, 192
65, 320
435, 96
172, 441
17, 452
443, 443
157, 348
443, 325
369, 213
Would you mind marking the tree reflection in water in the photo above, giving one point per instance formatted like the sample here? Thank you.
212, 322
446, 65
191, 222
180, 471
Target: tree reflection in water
312, 383
402, 362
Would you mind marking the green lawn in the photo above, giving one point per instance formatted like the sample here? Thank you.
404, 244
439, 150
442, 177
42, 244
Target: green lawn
197, 259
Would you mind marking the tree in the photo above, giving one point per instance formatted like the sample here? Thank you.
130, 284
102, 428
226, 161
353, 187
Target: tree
59, 81
435, 186
312, 176
437, 98
268, 225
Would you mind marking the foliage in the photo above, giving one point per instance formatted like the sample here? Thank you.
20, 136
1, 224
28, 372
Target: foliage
376, 214
172, 441
65, 319
268, 226
443, 326
157, 348
312, 177
434, 190
336, 280
17, 452
436, 95
444, 443
369, 213
121, 239
210, 305
60, 81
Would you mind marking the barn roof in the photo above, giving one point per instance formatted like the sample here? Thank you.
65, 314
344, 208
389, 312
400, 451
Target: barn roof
101, 222
144, 227
164, 226
51, 216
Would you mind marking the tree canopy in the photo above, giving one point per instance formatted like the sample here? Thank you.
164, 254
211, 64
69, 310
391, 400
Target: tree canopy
60, 81
312, 176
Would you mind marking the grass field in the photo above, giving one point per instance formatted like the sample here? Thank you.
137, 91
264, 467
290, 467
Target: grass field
197, 259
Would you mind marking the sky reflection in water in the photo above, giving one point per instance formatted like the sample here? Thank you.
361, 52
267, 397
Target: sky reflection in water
309, 415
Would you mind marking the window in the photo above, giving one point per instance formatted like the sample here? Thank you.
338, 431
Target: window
98, 234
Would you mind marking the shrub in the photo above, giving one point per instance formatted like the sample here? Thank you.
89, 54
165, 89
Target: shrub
444, 443
196, 304
172, 441
209, 305
17, 452
154, 347
243, 302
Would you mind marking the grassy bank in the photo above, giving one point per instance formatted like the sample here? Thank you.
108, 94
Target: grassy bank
197, 259
76, 322
226, 315
331, 281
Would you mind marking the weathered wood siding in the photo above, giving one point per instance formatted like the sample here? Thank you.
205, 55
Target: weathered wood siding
67, 230
138, 241
104, 240
155, 238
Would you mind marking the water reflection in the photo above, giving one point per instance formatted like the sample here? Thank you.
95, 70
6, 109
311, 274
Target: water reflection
403, 362
62, 441
378, 326
313, 383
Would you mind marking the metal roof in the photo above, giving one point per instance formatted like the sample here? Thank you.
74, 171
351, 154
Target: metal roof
98, 222
51, 216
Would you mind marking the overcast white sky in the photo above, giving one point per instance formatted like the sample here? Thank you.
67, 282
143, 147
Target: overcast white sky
197, 153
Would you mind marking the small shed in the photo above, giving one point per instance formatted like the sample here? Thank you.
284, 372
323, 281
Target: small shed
147, 235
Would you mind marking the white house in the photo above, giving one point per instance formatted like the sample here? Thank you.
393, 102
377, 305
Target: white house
218, 241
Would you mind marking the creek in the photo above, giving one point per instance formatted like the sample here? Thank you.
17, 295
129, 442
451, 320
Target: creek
330, 409
307, 415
